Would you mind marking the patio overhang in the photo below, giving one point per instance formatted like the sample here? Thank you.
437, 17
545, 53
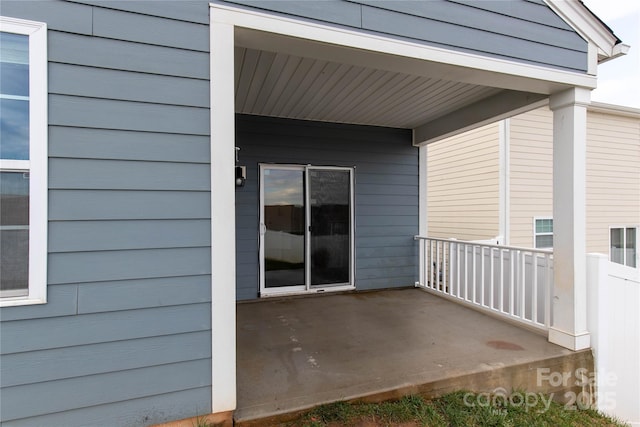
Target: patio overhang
269, 65
301, 70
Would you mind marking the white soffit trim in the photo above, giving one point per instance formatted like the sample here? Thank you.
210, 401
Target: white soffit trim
589, 28
277, 33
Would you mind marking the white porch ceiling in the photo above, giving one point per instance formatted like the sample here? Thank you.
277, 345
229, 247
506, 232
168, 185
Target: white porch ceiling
311, 72
289, 86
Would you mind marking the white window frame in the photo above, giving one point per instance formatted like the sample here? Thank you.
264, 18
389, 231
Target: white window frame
36, 166
535, 232
624, 236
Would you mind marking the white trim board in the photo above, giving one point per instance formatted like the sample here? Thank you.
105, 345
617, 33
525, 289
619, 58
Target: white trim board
223, 221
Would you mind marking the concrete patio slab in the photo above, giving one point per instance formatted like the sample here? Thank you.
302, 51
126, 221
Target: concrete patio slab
296, 353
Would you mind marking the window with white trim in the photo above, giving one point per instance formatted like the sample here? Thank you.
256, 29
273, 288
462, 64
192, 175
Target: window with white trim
23, 161
623, 246
543, 233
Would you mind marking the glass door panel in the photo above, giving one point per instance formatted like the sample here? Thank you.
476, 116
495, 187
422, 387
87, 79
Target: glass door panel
284, 227
330, 226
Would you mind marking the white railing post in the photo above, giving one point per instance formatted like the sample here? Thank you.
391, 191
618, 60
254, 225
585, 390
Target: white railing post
491, 274
534, 287
482, 275
512, 276
466, 272
522, 287
548, 291
501, 305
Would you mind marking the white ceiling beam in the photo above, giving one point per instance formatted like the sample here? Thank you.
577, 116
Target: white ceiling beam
497, 107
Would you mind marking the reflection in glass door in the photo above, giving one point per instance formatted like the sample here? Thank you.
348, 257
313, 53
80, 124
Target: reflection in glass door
306, 225
330, 226
283, 227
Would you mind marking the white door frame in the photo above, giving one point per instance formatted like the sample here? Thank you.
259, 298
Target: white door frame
307, 287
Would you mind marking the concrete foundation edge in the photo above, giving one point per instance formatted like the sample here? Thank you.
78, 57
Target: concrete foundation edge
538, 377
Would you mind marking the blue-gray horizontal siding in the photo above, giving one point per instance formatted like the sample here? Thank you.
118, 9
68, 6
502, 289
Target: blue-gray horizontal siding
386, 192
519, 30
125, 337
132, 412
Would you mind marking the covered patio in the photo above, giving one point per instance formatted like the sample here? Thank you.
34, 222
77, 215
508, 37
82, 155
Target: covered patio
294, 353
302, 95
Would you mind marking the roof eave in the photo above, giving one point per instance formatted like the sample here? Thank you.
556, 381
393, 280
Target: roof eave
618, 50
589, 27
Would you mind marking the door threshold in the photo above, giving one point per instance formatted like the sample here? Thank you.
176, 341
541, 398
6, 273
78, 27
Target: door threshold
312, 291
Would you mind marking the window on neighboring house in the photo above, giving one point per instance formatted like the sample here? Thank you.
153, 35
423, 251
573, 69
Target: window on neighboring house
23, 161
543, 233
623, 246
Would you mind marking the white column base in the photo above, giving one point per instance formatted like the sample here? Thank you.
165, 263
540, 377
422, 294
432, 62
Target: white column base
567, 340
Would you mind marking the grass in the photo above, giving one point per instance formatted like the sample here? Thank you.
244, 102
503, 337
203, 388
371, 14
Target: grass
459, 409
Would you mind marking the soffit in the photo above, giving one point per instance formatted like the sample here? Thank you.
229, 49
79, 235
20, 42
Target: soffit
290, 86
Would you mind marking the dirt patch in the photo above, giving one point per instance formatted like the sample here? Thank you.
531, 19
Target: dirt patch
504, 345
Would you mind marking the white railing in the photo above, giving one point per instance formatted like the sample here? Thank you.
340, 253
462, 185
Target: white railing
506, 281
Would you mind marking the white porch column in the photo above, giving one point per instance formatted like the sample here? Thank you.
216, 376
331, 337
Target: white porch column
223, 202
423, 219
569, 302
504, 184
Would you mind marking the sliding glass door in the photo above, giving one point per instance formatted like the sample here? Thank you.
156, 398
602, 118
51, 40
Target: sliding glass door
306, 228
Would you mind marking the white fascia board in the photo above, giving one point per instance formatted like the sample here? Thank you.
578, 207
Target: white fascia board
276, 33
587, 26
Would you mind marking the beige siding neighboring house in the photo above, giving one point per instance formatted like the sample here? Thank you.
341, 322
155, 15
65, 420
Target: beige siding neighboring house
531, 174
456, 205
462, 172
613, 173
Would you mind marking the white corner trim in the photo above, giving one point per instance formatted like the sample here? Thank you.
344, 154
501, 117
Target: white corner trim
592, 59
504, 137
223, 230
423, 191
374, 44
423, 207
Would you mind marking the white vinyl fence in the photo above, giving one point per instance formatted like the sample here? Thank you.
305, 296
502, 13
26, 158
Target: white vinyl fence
507, 281
614, 323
